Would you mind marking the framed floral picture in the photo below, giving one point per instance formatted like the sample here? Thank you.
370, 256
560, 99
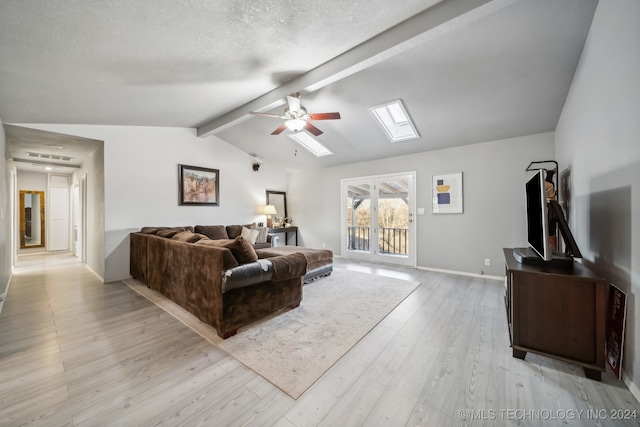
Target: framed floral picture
199, 186
447, 193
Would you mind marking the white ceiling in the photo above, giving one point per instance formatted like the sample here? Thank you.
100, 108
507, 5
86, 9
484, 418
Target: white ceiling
467, 71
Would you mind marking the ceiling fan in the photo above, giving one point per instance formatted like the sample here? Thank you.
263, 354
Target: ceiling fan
297, 118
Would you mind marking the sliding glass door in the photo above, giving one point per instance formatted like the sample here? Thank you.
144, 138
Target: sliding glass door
378, 213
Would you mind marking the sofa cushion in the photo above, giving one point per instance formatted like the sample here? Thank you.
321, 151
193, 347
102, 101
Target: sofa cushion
214, 232
186, 228
236, 230
229, 261
239, 247
249, 234
187, 236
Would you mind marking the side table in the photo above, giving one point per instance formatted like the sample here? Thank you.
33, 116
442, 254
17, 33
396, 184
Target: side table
286, 231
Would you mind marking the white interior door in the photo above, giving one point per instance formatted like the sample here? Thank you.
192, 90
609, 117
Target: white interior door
58, 219
59, 214
378, 218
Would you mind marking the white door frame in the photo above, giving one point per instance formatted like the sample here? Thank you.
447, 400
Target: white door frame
373, 255
14, 218
75, 219
83, 217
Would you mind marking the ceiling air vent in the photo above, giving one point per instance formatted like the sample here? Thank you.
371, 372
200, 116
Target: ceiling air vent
50, 156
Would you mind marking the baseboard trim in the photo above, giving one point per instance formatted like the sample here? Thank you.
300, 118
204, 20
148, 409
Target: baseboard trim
439, 270
3, 296
632, 387
462, 273
94, 272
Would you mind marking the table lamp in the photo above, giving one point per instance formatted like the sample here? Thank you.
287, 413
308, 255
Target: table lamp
268, 211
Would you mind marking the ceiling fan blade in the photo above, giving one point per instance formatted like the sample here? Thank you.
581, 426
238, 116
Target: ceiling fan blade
279, 130
312, 129
294, 104
275, 116
324, 116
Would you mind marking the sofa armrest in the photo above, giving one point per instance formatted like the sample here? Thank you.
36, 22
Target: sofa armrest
273, 239
247, 274
277, 268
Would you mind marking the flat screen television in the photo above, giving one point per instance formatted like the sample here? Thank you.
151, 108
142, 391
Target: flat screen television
537, 216
540, 214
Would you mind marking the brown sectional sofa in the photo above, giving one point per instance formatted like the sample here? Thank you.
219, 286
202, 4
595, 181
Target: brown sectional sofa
222, 282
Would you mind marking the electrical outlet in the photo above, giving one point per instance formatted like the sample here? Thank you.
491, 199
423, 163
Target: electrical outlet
324, 246
487, 261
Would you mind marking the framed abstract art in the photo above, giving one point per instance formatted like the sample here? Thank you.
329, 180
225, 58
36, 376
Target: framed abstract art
447, 193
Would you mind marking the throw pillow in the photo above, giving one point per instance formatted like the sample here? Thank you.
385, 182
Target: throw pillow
239, 247
187, 236
228, 260
167, 232
249, 235
263, 233
235, 230
149, 230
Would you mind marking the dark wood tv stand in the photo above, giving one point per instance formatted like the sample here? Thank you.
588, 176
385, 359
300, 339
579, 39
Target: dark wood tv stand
558, 313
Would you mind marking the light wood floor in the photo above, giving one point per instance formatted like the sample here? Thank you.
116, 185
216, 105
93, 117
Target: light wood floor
74, 351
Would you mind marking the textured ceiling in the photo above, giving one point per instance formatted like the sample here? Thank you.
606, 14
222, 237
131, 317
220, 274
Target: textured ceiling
168, 62
468, 71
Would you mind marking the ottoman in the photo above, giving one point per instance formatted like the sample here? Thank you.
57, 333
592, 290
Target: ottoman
319, 261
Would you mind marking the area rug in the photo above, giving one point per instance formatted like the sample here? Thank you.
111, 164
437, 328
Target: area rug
292, 349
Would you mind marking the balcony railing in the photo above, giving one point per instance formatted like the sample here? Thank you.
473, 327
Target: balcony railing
391, 241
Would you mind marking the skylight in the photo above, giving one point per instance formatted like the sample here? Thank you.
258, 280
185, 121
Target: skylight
395, 121
311, 144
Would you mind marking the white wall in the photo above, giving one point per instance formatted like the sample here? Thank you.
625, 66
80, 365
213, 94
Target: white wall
93, 167
141, 183
32, 181
5, 217
599, 135
494, 214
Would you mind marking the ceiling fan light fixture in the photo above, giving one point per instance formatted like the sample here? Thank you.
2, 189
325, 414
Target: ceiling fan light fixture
295, 125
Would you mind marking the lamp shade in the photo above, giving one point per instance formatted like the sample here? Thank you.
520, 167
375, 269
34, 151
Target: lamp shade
270, 210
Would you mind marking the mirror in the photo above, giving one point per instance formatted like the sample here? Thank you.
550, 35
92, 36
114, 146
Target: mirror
279, 200
31, 219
